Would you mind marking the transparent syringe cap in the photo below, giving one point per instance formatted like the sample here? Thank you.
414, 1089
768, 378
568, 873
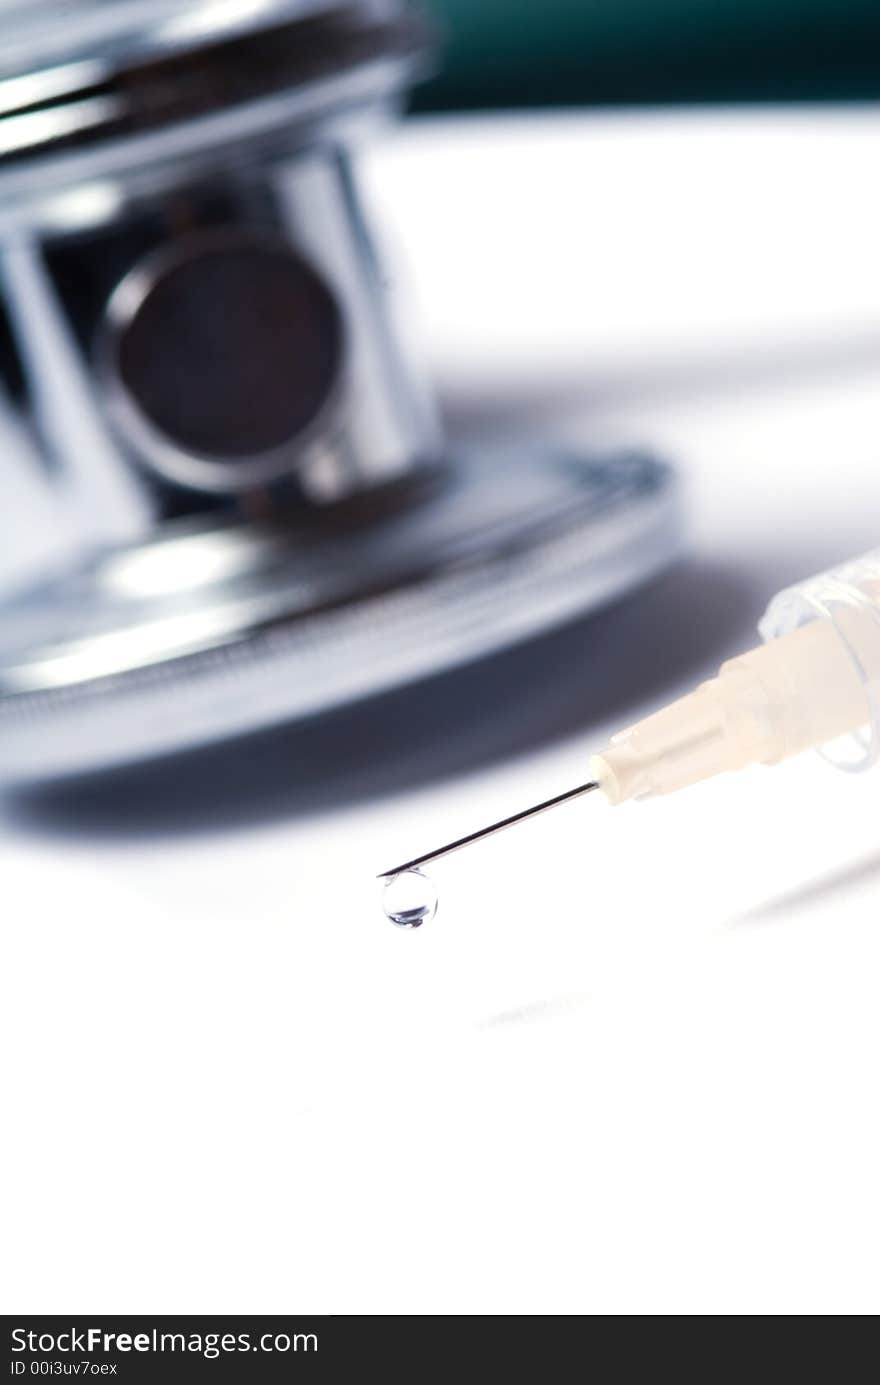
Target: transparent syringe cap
848, 598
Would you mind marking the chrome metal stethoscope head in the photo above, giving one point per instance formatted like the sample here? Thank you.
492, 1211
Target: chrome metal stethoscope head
228, 499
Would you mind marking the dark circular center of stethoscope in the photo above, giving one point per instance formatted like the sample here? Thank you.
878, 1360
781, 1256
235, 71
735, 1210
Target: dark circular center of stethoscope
226, 352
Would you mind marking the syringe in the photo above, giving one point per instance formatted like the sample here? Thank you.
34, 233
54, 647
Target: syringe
814, 683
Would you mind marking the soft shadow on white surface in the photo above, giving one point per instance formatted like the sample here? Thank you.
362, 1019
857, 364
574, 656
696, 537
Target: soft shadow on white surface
825, 890
537, 1010
674, 377
536, 695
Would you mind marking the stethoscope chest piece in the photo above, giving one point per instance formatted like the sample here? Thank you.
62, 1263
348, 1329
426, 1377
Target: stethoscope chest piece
228, 499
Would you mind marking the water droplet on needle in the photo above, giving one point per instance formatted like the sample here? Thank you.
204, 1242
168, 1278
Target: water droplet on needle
409, 899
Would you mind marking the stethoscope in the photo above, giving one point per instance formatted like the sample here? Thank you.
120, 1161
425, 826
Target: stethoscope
231, 499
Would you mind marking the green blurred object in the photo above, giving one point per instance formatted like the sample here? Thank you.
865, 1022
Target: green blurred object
503, 53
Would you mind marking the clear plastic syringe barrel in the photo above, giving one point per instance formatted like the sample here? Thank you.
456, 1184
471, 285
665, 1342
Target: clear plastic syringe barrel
814, 683
848, 598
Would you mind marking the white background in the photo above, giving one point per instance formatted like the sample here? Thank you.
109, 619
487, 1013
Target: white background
631, 1067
